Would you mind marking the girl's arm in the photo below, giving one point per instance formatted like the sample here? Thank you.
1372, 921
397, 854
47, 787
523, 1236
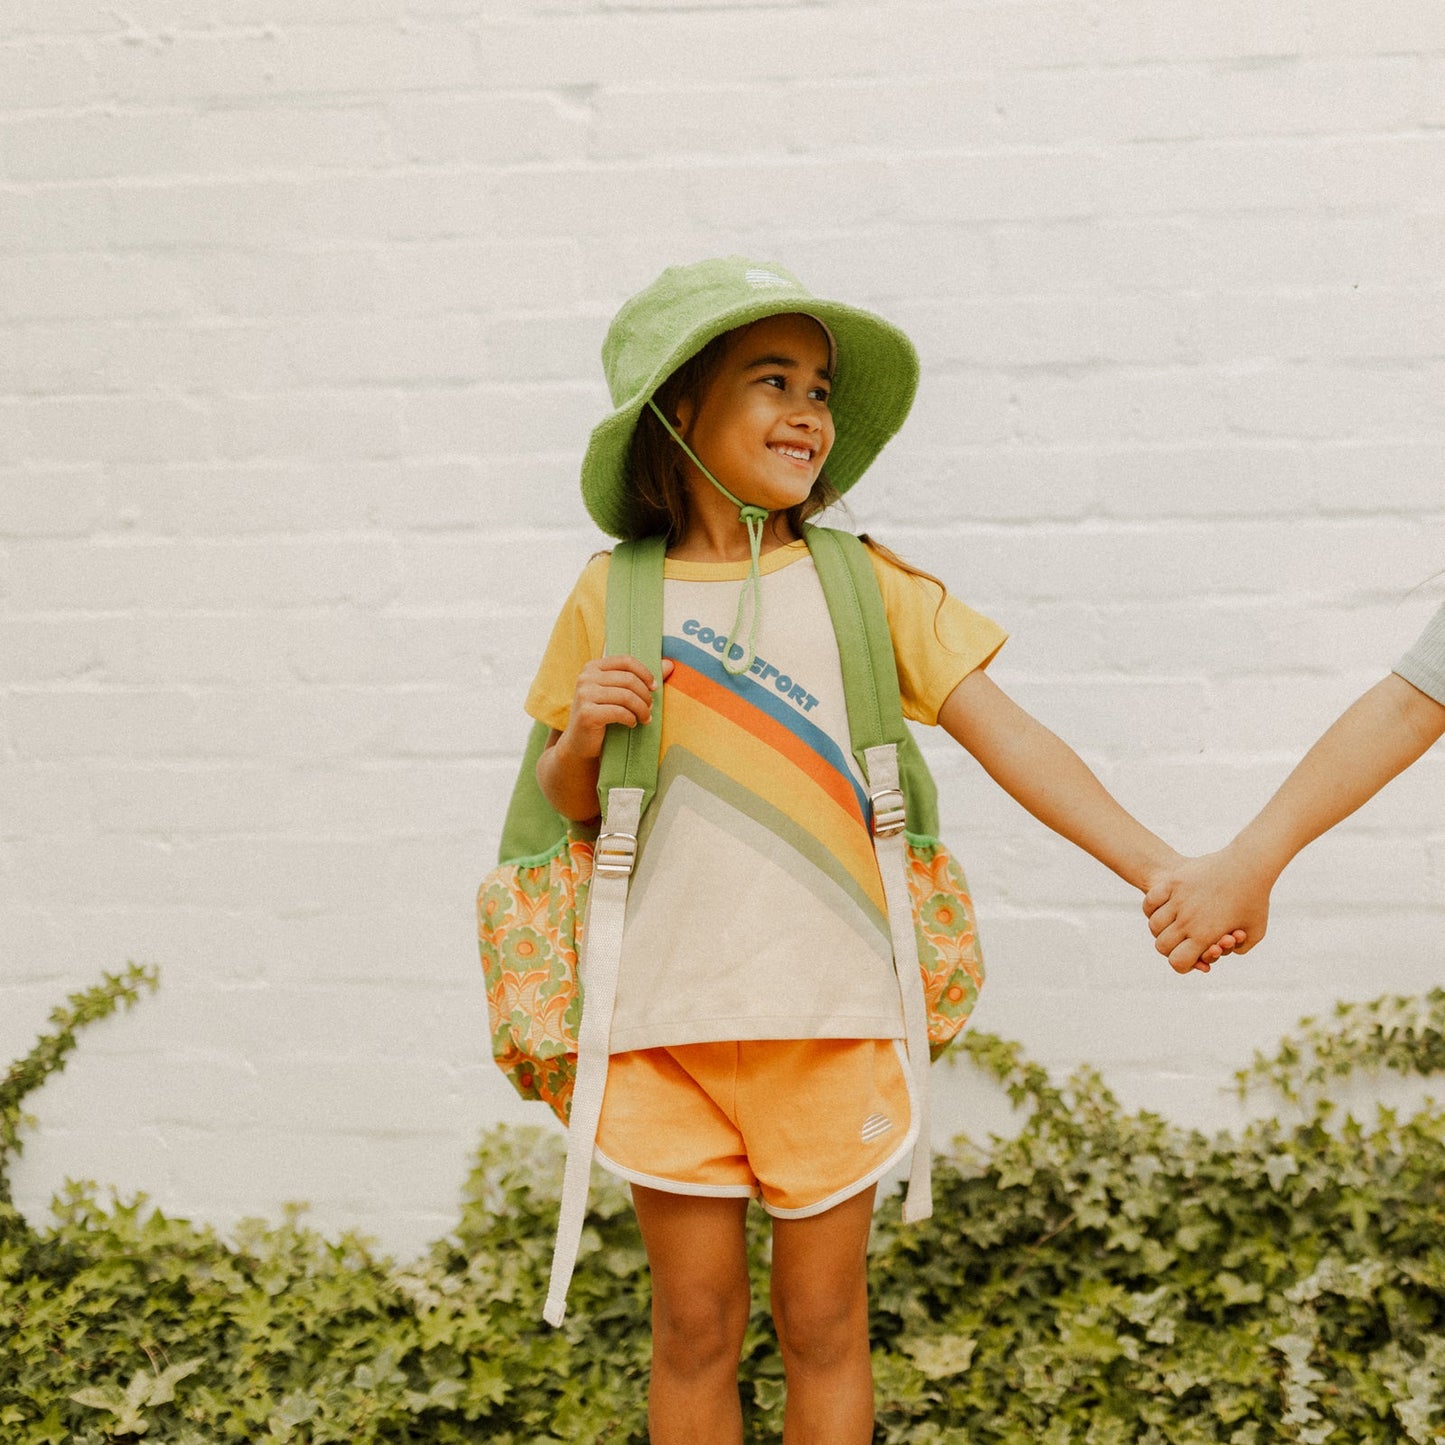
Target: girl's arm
609, 690
1039, 770
1379, 735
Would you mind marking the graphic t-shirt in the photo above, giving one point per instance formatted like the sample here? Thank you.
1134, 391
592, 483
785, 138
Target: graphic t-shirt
756, 909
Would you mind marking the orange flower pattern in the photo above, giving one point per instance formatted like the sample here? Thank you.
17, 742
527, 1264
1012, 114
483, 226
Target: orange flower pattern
529, 928
948, 951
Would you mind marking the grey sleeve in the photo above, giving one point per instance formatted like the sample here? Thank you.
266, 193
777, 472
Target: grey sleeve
1424, 665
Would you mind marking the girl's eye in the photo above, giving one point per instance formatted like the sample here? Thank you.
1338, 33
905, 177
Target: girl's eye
817, 393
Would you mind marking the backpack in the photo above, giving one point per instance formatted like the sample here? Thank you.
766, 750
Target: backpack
557, 883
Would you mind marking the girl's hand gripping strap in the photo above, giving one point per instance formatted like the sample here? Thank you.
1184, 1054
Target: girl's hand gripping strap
625, 786
895, 790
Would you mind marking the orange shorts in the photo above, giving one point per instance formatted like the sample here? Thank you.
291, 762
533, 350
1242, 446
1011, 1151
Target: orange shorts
801, 1123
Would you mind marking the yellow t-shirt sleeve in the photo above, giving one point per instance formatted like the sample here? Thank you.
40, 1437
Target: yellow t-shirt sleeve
578, 637
937, 640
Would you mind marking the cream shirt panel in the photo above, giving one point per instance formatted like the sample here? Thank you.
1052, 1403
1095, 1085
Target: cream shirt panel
756, 911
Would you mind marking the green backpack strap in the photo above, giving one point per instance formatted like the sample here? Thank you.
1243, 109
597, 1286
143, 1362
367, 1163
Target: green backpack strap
634, 628
533, 828
870, 671
892, 764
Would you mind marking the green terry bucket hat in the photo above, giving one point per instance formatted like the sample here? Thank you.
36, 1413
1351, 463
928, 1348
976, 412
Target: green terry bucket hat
875, 371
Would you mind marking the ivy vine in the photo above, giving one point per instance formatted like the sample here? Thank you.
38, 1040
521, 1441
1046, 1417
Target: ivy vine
1104, 1277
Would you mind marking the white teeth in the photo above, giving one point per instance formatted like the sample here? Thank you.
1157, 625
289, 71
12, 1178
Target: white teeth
801, 453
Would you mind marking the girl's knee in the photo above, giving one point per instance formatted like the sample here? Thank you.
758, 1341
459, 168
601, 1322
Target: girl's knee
699, 1328
821, 1327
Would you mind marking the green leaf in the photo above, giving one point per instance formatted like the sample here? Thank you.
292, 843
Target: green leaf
940, 1356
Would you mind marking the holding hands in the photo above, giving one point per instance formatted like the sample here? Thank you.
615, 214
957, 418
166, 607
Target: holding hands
1192, 903
1206, 907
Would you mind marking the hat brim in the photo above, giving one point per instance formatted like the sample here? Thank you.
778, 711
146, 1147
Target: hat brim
875, 378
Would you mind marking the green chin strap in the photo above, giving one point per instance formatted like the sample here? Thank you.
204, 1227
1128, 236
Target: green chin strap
753, 519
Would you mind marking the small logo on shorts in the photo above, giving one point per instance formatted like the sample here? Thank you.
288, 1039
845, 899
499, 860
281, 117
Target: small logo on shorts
875, 1126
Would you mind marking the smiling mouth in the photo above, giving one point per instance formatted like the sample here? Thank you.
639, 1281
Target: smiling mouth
793, 454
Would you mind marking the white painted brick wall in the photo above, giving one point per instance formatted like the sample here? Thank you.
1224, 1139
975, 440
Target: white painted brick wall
299, 313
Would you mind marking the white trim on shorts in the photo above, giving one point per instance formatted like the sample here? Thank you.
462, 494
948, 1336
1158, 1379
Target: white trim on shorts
675, 1186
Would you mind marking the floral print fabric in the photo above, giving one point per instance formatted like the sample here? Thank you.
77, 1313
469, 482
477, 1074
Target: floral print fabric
529, 928
948, 951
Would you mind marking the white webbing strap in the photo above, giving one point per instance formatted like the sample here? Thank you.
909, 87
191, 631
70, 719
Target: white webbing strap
891, 847
612, 860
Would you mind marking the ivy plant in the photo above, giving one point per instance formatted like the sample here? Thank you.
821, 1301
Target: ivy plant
1102, 1277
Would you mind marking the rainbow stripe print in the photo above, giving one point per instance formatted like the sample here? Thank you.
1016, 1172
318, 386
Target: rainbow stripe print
745, 748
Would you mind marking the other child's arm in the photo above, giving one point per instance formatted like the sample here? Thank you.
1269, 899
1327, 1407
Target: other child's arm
1378, 736
609, 690
1043, 774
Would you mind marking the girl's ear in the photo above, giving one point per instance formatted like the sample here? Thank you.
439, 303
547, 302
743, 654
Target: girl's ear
683, 414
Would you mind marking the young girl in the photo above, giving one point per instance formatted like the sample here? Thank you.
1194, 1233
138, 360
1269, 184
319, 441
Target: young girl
1378, 736
755, 1040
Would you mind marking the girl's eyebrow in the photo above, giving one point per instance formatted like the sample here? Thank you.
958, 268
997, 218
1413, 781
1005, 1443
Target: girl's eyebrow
787, 361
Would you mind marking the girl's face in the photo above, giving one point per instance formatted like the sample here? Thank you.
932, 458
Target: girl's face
762, 426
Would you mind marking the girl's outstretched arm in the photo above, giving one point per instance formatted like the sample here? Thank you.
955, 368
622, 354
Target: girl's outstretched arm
609, 690
1041, 772
1379, 735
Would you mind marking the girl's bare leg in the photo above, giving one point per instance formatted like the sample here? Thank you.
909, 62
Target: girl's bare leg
701, 1295
820, 1308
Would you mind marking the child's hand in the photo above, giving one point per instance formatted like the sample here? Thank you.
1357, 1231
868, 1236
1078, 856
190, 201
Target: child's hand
1206, 907
1159, 883
609, 690
1228, 943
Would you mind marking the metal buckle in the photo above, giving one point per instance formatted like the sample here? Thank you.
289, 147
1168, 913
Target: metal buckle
889, 814
614, 854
